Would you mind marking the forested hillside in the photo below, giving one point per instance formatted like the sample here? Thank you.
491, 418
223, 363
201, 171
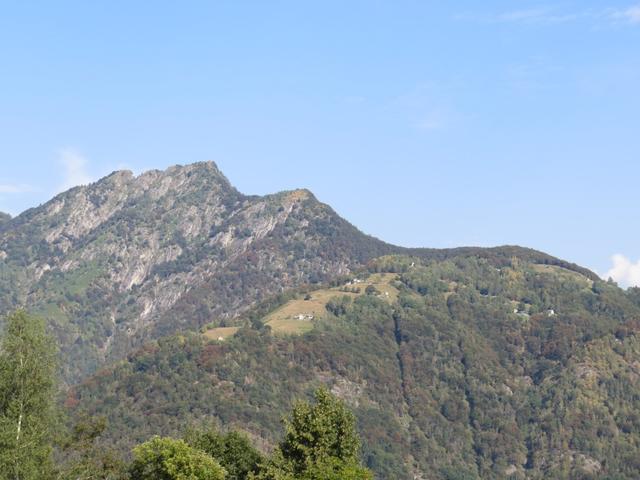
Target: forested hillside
480, 368
320, 441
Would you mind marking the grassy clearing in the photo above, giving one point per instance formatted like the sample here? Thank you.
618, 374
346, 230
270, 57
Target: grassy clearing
220, 333
563, 272
298, 316
290, 326
384, 284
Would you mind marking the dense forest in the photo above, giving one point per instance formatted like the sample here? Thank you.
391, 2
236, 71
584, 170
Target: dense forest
474, 371
320, 441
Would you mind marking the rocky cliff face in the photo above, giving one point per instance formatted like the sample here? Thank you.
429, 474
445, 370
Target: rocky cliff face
128, 258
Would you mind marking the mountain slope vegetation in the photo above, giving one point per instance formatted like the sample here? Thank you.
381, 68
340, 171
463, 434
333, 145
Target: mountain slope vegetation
479, 369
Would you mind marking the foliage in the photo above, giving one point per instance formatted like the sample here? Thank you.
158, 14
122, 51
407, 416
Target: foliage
338, 306
448, 382
233, 450
320, 443
85, 459
27, 365
170, 459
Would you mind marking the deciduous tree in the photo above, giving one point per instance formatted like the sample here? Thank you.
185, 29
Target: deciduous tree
320, 443
27, 388
170, 459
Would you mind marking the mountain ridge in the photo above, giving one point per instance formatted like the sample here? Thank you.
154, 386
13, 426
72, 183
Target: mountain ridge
111, 259
130, 258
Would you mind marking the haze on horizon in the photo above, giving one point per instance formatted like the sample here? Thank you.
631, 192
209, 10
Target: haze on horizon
422, 124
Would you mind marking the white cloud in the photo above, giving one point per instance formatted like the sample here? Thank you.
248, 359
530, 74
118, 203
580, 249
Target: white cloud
15, 188
75, 169
624, 271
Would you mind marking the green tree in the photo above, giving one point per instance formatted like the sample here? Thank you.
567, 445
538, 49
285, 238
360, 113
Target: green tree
320, 443
233, 450
371, 290
170, 459
85, 459
27, 390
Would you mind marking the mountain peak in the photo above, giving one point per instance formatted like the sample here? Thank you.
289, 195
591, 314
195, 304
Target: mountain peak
207, 169
208, 166
204, 171
297, 195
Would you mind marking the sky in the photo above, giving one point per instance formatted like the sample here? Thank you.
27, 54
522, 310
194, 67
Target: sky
435, 124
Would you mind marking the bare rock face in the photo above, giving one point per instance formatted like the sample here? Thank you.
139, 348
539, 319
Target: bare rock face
127, 259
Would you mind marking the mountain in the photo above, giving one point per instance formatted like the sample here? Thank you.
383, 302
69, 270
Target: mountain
176, 299
129, 259
460, 368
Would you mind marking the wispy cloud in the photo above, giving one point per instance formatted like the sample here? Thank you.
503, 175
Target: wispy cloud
629, 15
550, 15
15, 188
74, 169
624, 271
538, 15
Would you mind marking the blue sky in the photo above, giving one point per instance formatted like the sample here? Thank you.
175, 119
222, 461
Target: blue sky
424, 123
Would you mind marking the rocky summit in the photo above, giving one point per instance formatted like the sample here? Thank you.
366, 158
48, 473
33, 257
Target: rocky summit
130, 258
